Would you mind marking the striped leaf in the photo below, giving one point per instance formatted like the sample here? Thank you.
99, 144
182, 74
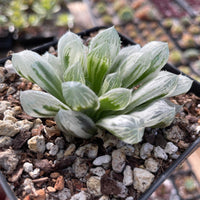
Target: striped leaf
115, 99
75, 124
111, 81
158, 114
109, 37
79, 97
125, 127
71, 50
40, 104
155, 89
74, 73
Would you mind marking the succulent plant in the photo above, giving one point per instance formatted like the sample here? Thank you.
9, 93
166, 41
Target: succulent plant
167, 23
120, 90
101, 8
191, 54
125, 14
175, 57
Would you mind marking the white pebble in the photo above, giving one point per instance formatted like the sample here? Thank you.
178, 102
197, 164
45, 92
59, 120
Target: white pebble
171, 148
102, 160
160, 153
28, 167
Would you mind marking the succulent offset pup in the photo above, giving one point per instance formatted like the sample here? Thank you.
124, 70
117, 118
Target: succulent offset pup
102, 85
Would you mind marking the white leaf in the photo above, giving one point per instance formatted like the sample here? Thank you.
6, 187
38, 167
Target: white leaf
127, 128
40, 104
75, 124
79, 97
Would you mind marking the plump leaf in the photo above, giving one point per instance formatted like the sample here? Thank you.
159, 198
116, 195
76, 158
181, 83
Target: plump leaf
55, 63
43, 74
79, 97
111, 81
75, 124
127, 128
98, 63
109, 37
121, 58
71, 50
158, 114
40, 104
115, 99
157, 88
157, 54
74, 73
184, 84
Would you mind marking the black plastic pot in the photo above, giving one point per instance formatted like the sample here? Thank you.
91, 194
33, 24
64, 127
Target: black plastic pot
125, 41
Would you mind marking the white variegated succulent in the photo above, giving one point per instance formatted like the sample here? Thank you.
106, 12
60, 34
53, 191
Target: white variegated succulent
120, 90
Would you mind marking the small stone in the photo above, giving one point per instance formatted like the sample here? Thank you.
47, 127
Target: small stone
80, 168
151, 165
54, 174
28, 167
49, 145
128, 176
60, 142
129, 198
171, 148
53, 150
3, 87
40, 195
174, 156
37, 123
142, 179
52, 131
5, 141
128, 149
8, 160
64, 194
8, 128
101, 160
4, 105
99, 171
60, 183
110, 141
160, 153
88, 150
35, 173
118, 160
110, 186
51, 189
44, 165
94, 186
11, 90
29, 186
37, 144
79, 196
60, 155
104, 197
70, 150
146, 150
24, 124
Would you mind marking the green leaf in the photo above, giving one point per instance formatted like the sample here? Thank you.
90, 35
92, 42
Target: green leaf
157, 53
184, 84
79, 97
43, 74
157, 114
55, 63
71, 50
75, 124
74, 73
111, 81
115, 99
109, 37
98, 63
40, 104
22, 62
127, 128
121, 58
155, 89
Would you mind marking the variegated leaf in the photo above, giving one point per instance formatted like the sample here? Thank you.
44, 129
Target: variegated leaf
71, 50
157, 53
127, 128
74, 73
155, 89
40, 104
75, 124
79, 97
184, 84
111, 81
121, 58
157, 114
109, 37
115, 99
